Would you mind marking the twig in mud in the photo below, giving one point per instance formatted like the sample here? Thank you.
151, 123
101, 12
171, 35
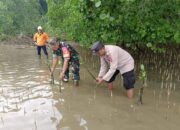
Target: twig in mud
2, 120
82, 62
35, 125
52, 79
90, 74
140, 96
60, 85
49, 67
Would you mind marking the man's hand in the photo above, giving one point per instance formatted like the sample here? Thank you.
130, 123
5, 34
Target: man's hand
61, 76
51, 73
99, 80
35, 43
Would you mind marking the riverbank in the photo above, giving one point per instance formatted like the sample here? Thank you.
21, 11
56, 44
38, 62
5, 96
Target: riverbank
21, 40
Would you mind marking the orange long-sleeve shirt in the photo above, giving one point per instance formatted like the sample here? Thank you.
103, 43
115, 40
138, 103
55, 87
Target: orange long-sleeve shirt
41, 39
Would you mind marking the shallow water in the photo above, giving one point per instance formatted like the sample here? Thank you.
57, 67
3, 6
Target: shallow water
29, 102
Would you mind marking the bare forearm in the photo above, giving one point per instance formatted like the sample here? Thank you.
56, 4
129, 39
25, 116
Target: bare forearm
65, 65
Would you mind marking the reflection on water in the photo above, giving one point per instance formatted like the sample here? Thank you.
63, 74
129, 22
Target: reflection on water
25, 94
29, 102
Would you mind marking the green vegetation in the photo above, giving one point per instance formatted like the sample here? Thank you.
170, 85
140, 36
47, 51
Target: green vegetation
129, 22
19, 17
147, 23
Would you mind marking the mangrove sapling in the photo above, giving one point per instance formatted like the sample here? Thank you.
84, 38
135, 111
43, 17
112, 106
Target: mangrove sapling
89, 72
143, 78
2, 120
49, 67
3, 109
24, 111
35, 125
60, 85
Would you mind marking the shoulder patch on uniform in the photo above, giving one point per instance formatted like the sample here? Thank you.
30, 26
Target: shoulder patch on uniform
66, 53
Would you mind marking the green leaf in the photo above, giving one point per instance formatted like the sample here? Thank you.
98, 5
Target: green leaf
149, 44
142, 67
103, 16
111, 18
153, 36
143, 33
128, 45
98, 4
177, 37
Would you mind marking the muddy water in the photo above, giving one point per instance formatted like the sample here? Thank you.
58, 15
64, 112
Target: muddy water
29, 102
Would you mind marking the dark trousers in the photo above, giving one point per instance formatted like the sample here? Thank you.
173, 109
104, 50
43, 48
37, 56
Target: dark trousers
128, 79
75, 70
44, 49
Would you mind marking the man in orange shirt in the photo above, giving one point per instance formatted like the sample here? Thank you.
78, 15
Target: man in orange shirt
40, 39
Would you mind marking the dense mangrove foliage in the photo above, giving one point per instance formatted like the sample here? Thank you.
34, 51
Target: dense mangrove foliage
148, 22
21, 16
129, 22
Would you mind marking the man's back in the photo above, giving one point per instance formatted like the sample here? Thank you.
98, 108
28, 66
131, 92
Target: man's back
122, 58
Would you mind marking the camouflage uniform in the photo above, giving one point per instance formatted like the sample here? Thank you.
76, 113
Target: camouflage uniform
74, 60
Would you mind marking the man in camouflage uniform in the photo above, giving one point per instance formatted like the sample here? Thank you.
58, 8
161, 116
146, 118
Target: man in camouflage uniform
69, 57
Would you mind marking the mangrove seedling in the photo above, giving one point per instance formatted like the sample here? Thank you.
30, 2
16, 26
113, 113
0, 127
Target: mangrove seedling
143, 78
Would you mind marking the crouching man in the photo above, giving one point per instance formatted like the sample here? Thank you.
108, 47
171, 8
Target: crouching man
69, 57
114, 60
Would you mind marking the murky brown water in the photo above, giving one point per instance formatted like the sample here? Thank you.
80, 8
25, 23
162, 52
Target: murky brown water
29, 102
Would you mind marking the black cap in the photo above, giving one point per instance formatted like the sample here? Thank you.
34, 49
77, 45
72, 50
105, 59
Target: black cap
97, 46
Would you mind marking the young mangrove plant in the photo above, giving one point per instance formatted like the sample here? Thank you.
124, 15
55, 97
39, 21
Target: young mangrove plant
49, 67
143, 79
